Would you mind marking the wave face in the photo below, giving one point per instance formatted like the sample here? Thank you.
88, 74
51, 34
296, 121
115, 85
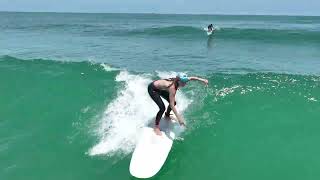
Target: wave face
76, 110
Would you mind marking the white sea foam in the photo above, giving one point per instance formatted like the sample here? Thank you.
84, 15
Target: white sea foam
108, 67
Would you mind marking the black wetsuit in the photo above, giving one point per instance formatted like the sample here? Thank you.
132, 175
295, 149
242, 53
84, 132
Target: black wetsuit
155, 94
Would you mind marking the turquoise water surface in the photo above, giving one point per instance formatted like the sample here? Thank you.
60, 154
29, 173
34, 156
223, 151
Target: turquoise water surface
74, 98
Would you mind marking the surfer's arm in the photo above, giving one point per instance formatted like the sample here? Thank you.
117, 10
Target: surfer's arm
173, 107
205, 81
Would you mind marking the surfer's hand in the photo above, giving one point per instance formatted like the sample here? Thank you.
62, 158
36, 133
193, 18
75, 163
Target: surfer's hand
182, 124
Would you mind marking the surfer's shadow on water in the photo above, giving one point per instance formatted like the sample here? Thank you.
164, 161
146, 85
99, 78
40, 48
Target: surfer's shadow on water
210, 42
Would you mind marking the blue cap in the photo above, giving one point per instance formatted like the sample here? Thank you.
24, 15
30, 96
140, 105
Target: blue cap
183, 78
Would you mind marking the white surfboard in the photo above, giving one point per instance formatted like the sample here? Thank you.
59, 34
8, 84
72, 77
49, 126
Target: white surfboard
152, 150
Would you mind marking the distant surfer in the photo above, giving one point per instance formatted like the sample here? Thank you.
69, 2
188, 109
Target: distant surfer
210, 28
167, 88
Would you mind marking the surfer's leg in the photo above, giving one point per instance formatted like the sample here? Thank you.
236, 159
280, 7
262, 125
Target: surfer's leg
165, 95
162, 108
157, 99
169, 109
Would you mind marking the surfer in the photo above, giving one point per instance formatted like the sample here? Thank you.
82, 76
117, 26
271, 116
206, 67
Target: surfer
167, 89
210, 27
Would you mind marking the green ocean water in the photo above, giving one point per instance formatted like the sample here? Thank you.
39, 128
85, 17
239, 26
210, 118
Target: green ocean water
73, 94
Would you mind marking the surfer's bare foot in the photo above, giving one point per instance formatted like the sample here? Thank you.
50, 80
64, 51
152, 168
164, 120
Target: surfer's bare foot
157, 130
